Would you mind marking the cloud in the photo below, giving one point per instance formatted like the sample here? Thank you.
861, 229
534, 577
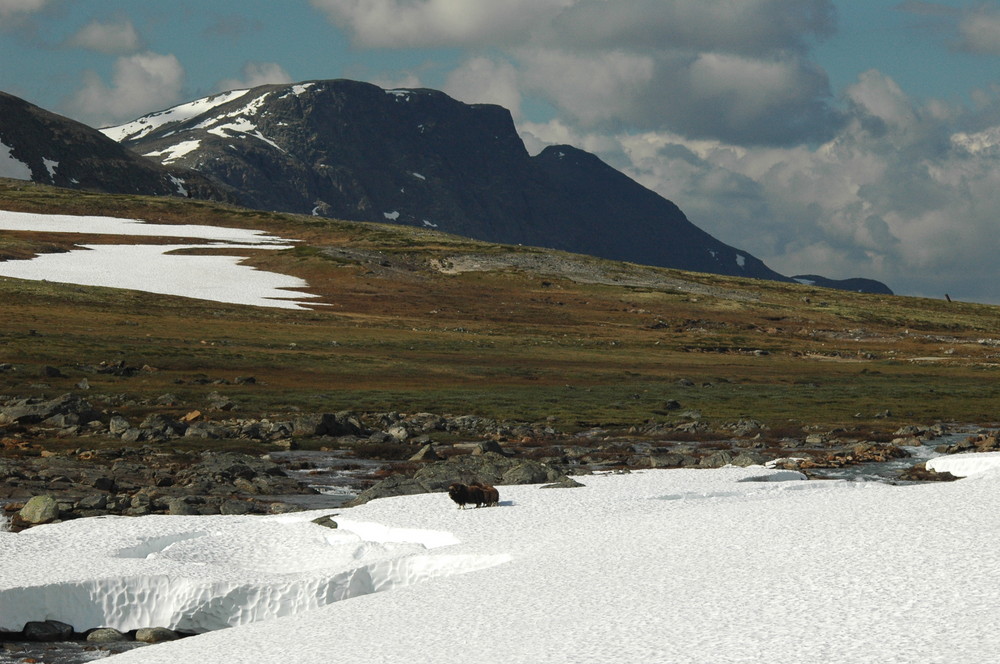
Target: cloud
12, 8
781, 101
16, 16
975, 29
232, 25
256, 73
979, 31
118, 36
435, 23
481, 80
897, 194
739, 71
141, 83
749, 27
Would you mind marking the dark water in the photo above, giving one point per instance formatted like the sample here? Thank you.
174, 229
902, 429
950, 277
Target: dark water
889, 471
71, 652
337, 477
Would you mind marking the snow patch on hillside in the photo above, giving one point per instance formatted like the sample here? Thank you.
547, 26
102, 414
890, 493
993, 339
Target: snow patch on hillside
157, 268
174, 152
297, 90
11, 167
149, 123
51, 167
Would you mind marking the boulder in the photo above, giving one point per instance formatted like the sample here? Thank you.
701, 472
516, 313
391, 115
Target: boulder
39, 509
47, 631
34, 411
163, 426
567, 483
344, 423
118, 425
326, 521
155, 634
717, 460
106, 635
426, 453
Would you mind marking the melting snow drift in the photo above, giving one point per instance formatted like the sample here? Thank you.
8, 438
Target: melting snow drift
693, 566
154, 268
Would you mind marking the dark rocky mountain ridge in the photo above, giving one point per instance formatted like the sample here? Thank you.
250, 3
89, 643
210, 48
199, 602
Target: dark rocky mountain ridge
351, 150
62, 152
354, 151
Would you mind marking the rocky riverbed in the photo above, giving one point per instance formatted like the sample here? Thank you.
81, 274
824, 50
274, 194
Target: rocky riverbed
87, 458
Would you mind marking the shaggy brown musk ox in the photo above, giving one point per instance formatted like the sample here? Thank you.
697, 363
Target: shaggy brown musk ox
477, 494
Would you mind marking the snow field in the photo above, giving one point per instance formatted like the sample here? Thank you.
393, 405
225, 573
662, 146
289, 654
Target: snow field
653, 566
154, 268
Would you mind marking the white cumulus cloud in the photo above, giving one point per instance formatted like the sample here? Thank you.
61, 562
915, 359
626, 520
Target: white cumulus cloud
113, 37
11, 8
484, 81
141, 83
898, 194
411, 23
256, 73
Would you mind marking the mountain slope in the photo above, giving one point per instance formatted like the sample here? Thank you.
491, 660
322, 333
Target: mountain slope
44, 147
352, 150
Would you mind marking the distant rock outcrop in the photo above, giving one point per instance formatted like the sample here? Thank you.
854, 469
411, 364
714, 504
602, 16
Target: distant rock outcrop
858, 285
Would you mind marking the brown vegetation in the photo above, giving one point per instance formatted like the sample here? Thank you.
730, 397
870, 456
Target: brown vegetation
411, 324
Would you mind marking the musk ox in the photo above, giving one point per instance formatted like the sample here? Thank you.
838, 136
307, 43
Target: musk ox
474, 494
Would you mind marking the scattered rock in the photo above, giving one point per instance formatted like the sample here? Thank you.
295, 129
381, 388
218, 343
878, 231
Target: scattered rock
47, 631
566, 483
39, 510
426, 453
106, 635
155, 635
326, 521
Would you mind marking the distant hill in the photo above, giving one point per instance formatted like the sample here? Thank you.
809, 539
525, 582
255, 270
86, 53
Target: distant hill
858, 285
44, 147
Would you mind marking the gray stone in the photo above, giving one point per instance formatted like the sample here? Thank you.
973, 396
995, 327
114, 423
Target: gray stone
717, 460
745, 459
40, 509
118, 425
426, 453
326, 521
567, 483
47, 631
106, 635
98, 502
235, 507
183, 506
155, 634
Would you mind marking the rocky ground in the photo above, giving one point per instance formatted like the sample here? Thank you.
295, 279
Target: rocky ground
71, 457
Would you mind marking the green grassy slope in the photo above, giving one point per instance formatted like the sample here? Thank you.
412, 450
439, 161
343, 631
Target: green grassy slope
416, 320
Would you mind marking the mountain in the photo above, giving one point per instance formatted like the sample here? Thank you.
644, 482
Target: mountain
44, 147
351, 150
354, 151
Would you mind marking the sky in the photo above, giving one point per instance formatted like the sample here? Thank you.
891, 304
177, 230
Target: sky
722, 566
832, 137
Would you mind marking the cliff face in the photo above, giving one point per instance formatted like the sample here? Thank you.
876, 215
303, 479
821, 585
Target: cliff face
52, 149
355, 151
